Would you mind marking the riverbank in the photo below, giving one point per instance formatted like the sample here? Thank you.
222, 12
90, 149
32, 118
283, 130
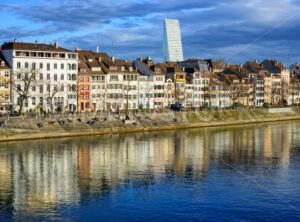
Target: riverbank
18, 129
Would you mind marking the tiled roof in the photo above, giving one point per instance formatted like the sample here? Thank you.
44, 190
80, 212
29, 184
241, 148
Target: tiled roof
33, 47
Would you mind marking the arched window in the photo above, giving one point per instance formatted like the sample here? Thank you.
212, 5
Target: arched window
73, 76
74, 89
69, 66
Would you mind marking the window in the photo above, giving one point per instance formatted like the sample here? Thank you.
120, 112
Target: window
41, 76
33, 66
33, 88
62, 88
26, 64
48, 76
41, 88
33, 101
55, 77
41, 65
73, 66
6, 97
6, 85
18, 65
62, 76
55, 66
62, 66
41, 100
6, 74
113, 78
48, 66
18, 75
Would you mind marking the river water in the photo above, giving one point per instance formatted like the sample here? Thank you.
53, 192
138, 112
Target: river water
249, 173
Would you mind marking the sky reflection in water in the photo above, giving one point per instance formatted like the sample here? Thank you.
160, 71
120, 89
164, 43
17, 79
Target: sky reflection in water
242, 173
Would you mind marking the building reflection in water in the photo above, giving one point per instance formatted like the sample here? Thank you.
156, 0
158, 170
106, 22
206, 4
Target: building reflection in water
46, 174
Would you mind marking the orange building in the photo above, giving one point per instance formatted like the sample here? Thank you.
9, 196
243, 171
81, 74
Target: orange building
84, 85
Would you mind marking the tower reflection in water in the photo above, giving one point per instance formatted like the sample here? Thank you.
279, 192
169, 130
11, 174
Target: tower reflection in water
43, 175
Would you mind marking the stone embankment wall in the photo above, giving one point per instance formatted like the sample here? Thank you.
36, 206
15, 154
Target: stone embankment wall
97, 124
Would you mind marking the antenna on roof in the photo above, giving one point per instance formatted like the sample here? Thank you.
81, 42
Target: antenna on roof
113, 48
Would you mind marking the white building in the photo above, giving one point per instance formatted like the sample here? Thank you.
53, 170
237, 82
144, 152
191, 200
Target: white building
55, 75
146, 95
172, 41
152, 83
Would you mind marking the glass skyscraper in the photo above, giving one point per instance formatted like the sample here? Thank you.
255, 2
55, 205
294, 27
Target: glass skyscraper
172, 41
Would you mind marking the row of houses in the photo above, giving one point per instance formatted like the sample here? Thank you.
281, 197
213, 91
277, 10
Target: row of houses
45, 77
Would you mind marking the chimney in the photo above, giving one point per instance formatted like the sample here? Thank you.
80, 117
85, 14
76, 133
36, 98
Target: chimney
56, 44
97, 49
113, 58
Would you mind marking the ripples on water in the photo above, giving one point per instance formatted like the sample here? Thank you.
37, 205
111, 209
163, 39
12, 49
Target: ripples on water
249, 173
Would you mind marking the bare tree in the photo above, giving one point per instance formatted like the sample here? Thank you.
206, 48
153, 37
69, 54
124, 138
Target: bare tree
147, 89
51, 91
21, 82
294, 89
126, 88
234, 92
179, 92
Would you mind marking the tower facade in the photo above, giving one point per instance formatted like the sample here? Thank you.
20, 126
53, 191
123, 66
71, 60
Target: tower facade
172, 41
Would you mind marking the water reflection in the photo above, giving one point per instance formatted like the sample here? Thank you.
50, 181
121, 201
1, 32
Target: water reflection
44, 175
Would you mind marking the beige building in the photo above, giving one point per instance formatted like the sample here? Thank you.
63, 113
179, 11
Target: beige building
5, 86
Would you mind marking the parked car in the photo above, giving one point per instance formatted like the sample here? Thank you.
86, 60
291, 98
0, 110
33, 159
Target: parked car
177, 107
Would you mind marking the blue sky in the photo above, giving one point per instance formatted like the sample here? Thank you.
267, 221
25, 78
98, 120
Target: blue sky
218, 29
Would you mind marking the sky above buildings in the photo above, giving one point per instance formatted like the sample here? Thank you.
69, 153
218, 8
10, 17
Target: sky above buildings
233, 30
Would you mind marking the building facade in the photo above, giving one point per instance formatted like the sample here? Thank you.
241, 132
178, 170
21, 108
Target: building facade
172, 41
5, 86
44, 77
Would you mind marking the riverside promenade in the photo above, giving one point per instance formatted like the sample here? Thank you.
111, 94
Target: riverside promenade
45, 127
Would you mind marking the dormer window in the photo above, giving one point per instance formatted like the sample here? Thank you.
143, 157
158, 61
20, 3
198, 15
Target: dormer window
157, 70
2, 63
122, 68
113, 68
130, 68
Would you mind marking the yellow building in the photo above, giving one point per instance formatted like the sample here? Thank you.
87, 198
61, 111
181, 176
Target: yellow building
5, 88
